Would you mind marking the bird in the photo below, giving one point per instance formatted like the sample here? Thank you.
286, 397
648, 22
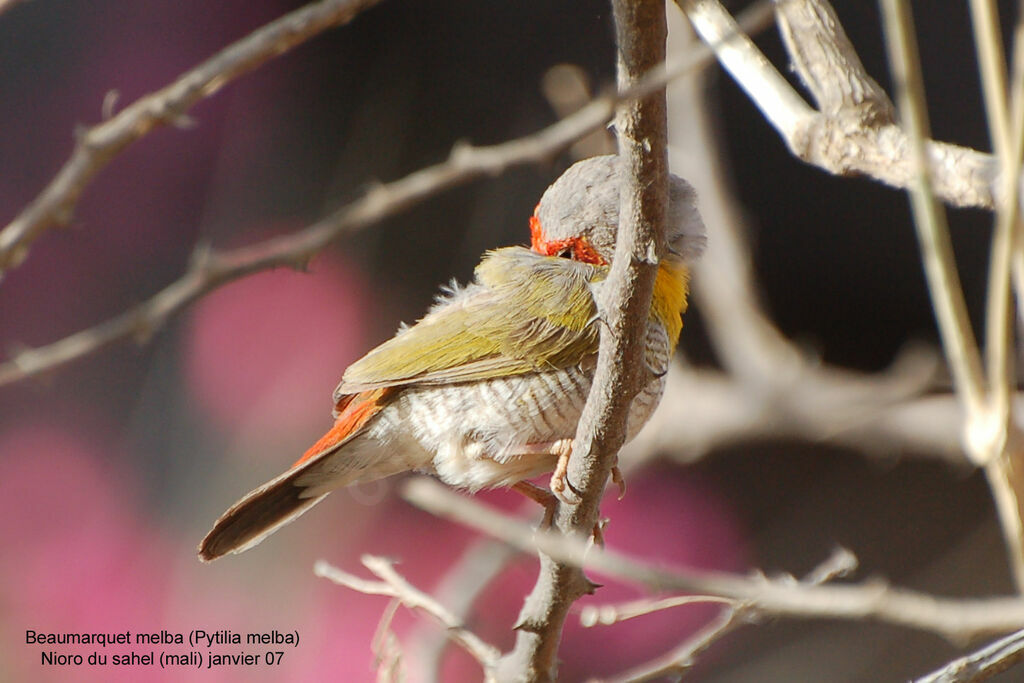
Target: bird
486, 389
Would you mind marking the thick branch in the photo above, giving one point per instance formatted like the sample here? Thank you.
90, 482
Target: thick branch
97, 146
856, 139
625, 304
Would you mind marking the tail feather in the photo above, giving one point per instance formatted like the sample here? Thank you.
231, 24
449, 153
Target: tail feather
256, 516
310, 479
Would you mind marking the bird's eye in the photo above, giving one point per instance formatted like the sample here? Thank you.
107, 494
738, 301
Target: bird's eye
566, 252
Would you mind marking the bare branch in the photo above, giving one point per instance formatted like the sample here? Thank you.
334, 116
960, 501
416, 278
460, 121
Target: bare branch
828, 64
859, 140
989, 661
624, 306
677, 661
460, 588
958, 620
211, 269
97, 146
392, 584
1003, 454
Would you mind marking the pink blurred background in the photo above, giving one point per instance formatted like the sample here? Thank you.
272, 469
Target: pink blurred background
112, 469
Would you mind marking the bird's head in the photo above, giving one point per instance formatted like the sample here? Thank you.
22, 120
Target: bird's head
578, 215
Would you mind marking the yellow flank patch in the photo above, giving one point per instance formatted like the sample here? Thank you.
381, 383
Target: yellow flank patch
670, 289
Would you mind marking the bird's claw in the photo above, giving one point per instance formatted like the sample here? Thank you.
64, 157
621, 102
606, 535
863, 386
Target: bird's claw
560, 484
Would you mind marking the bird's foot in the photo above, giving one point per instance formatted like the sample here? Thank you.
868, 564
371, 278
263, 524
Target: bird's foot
540, 495
561, 487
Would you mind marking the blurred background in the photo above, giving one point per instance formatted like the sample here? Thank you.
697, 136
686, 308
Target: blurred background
112, 469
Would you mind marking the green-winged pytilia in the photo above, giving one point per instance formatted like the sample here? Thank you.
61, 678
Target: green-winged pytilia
487, 389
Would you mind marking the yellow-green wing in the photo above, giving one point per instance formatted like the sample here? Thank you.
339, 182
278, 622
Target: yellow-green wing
525, 312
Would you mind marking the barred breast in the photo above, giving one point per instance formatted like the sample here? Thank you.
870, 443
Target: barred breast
483, 434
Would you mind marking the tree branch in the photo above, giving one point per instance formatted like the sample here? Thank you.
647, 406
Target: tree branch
989, 661
211, 269
392, 584
857, 139
735, 614
97, 146
624, 307
957, 620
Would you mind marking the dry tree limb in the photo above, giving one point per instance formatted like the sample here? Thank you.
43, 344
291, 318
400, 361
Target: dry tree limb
459, 589
860, 139
392, 584
957, 619
736, 613
853, 131
989, 661
642, 130
97, 146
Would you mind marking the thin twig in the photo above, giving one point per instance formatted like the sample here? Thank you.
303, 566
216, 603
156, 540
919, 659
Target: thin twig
462, 584
212, 269
607, 615
985, 432
1017, 126
929, 218
680, 659
8, 4
999, 312
989, 661
958, 620
97, 146
392, 584
1004, 444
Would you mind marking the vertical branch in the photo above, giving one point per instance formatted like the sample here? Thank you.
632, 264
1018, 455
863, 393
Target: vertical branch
985, 434
1017, 132
1003, 462
625, 305
933, 233
998, 314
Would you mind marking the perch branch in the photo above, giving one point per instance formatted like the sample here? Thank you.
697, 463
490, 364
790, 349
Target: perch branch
97, 146
624, 305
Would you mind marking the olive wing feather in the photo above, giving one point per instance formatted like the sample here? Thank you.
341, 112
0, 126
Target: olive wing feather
523, 313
